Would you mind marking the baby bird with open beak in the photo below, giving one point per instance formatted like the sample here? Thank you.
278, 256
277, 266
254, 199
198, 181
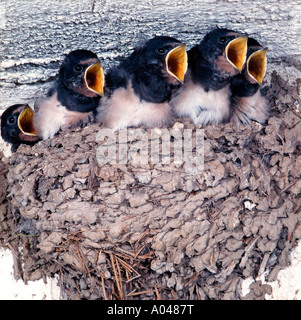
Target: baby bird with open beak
205, 94
17, 126
248, 103
74, 97
138, 91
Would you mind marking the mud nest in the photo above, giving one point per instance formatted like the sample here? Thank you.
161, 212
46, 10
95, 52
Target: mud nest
124, 231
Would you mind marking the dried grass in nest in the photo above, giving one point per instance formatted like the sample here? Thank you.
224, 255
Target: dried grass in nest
124, 267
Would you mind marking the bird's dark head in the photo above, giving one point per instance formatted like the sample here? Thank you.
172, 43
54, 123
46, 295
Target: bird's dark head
81, 72
226, 49
167, 54
17, 125
253, 45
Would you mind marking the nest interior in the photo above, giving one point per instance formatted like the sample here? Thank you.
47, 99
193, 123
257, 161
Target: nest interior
154, 231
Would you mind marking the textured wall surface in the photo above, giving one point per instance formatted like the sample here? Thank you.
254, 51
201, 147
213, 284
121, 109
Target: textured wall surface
34, 35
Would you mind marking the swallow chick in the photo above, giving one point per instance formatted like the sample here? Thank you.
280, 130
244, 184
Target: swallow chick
205, 94
248, 102
140, 88
17, 126
74, 97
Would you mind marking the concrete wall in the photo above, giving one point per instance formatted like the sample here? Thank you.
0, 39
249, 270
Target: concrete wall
34, 35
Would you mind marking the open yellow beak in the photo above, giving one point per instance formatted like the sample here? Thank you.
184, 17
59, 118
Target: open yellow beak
94, 78
25, 121
236, 52
176, 62
257, 65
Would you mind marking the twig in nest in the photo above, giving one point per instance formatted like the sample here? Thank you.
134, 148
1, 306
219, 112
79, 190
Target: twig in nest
142, 236
117, 276
103, 288
84, 264
290, 185
103, 283
123, 253
129, 269
192, 279
72, 237
158, 295
133, 293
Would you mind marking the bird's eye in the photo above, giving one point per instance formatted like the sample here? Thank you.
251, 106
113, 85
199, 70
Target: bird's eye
11, 120
222, 39
78, 68
161, 50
